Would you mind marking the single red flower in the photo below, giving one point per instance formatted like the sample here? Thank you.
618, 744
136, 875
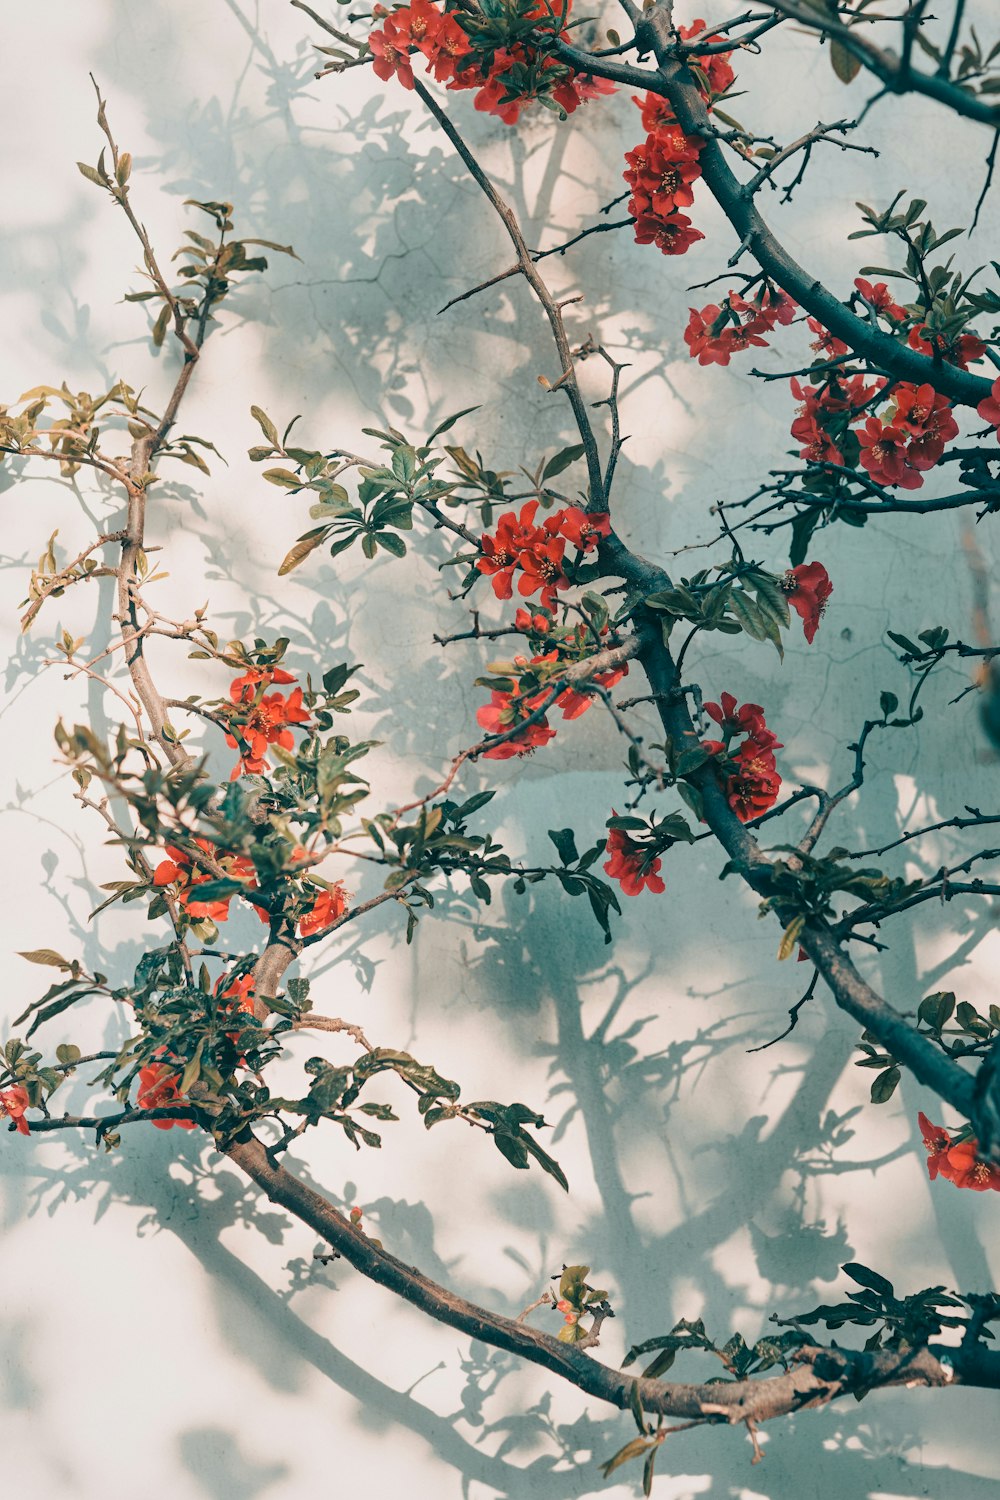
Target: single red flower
574, 703
807, 588
583, 528
157, 1089
328, 908
937, 1142
826, 342
13, 1102
671, 236
631, 865
240, 991
658, 114
880, 297
747, 719
967, 1169
542, 568
391, 52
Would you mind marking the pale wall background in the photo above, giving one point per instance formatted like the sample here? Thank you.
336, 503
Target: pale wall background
161, 1336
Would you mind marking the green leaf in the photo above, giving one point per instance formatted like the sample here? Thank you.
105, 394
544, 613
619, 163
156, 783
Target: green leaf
565, 842
443, 427
68, 1053
866, 1277
391, 542
884, 1086
936, 1010
562, 460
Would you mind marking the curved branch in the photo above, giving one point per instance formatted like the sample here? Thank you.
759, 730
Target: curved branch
820, 1376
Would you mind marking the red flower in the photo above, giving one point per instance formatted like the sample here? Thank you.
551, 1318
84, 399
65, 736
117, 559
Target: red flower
178, 869
574, 703
715, 66
631, 865
826, 342
967, 1169
662, 178
963, 351
880, 297
750, 796
807, 588
936, 1142
391, 52
329, 907
583, 528
927, 415
883, 454
13, 1102
818, 446
748, 719
267, 718
657, 113
157, 1089
772, 306
989, 407
712, 342
542, 568
501, 553
672, 236
240, 991
503, 713
246, 689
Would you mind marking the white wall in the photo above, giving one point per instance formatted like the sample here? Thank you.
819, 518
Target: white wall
161, 1333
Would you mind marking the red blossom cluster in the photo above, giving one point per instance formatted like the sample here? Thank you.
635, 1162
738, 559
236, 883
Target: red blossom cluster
908, 438
506, 710
959, 1161
962, 349
328, 908
537, 552
264, 717
826, 411
807, 588
716, 332
157, 1090
514, 77
13, 1102
662, 169
178, 869
634, 865
750, 774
